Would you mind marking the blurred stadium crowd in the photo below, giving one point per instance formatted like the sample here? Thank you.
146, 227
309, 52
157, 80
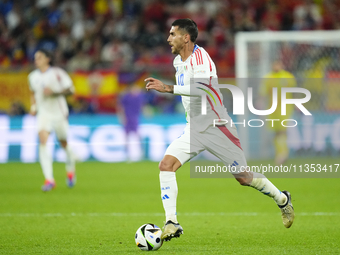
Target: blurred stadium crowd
130, 35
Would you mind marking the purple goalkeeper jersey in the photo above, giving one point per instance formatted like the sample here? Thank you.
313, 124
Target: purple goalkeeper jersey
132, 104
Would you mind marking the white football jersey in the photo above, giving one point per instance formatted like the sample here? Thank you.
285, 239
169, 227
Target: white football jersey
57, 80
198, 72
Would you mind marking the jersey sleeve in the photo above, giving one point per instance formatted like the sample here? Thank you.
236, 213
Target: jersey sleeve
195, 90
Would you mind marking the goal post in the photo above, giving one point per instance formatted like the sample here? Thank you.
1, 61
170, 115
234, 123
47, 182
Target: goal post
313, 57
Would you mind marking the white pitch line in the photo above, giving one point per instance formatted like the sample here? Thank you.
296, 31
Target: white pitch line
192, 214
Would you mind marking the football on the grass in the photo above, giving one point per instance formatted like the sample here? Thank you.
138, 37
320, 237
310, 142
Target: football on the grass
148, 237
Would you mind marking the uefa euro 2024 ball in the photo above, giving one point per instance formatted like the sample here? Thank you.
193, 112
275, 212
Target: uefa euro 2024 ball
148, 237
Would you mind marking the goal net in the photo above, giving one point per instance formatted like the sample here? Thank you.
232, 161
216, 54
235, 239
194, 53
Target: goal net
313, 57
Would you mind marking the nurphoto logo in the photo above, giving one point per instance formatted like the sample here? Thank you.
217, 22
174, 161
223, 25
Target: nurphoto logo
239, 99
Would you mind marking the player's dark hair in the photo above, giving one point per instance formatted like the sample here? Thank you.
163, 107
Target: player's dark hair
189, 26
48, 54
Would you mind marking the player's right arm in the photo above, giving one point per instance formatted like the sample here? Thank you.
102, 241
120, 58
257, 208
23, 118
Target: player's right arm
158, 85
33, 108
185, 90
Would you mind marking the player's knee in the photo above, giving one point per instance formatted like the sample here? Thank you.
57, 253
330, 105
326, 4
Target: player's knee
63, 143
43, 140
43, 137
165, 165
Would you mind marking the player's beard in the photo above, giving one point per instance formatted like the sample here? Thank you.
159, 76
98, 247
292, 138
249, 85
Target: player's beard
178, 47
175, 50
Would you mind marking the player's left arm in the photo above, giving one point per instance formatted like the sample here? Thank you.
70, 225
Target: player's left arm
66, 84
65, 92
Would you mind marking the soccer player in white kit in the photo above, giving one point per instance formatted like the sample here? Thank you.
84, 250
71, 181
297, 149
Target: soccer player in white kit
193, 62
49, 85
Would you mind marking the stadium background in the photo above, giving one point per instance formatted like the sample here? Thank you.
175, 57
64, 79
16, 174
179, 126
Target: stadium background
107, 44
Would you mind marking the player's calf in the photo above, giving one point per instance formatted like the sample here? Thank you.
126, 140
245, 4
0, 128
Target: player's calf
244, 178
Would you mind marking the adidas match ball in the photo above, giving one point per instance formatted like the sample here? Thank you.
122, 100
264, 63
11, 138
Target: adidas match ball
148, 237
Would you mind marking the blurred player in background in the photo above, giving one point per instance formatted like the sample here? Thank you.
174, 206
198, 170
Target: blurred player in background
49, 86
278, 78
192, 61
129, 111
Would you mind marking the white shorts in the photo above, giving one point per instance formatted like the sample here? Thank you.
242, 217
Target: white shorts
59, 126
221, 141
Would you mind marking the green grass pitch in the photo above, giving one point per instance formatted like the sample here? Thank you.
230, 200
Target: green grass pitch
110, 201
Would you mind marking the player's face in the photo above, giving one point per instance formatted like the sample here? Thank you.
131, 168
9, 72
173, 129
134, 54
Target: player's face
40, 59
176, 40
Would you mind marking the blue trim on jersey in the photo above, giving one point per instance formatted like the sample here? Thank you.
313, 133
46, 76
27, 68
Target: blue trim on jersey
195, 48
